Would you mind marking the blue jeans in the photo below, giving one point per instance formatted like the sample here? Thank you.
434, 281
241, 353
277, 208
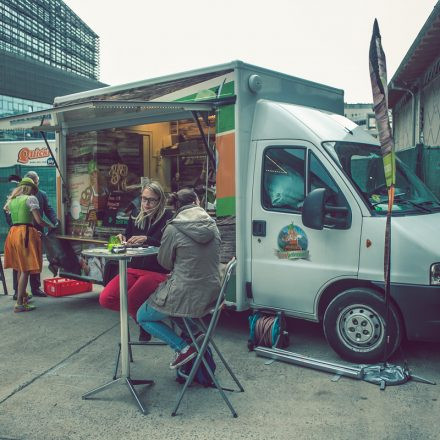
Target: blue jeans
151, 320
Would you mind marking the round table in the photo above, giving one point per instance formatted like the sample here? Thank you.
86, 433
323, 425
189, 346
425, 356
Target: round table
125, 364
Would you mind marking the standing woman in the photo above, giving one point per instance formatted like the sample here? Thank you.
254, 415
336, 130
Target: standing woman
144, 274
23, 251
190, 249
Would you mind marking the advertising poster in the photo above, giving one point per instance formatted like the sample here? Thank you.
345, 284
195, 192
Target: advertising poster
80, 192
27, 153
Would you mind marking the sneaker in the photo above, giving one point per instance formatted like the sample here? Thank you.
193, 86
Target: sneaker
39, 292
183, 358
23, 308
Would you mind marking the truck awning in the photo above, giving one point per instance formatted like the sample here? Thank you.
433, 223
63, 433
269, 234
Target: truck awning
99, 115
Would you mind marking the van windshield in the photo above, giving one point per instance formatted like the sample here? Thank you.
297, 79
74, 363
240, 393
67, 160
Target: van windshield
362, 163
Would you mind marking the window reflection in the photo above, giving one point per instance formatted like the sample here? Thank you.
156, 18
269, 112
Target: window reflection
283, 179
10, 106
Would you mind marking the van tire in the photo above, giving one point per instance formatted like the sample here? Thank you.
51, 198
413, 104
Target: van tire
354, 326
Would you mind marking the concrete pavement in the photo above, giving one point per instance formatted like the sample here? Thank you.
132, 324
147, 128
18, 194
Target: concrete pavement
50, 357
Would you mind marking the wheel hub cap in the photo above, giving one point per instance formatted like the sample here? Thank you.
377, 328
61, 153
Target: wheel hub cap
360, 327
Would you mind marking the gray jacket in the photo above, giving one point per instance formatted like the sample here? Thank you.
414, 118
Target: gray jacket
190, 249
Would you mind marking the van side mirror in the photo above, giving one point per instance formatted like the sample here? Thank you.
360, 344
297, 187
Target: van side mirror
316, 214
313, 209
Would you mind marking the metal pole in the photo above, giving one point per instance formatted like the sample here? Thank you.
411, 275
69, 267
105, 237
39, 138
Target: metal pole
125, 364
43, 135
354, 372
207, 173
205, 143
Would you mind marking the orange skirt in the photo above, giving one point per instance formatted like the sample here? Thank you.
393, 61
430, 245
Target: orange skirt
20, 257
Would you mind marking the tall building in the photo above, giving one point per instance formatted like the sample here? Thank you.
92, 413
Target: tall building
363, 115
46, 50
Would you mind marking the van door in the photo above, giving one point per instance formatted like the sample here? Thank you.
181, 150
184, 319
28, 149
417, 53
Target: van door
291, 264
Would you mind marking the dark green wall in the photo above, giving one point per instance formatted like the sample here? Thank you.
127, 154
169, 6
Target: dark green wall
28, 79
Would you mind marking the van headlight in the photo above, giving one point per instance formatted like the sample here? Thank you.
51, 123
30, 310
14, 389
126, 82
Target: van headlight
435, 274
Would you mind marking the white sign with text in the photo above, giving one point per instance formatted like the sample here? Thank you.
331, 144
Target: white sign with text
30, 153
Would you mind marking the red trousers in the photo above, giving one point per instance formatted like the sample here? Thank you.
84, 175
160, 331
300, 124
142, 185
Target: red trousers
140, 285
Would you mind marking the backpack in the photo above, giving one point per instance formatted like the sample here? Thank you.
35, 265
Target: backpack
202, 376
267, 331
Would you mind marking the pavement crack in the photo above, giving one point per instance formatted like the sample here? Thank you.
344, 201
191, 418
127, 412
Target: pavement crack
31, 381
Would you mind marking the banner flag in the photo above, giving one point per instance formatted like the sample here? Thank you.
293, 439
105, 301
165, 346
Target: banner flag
378, 75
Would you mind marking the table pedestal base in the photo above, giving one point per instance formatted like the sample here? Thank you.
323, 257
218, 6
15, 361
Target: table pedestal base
129, 382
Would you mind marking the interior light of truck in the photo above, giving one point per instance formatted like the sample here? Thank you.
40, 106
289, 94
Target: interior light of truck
435, 274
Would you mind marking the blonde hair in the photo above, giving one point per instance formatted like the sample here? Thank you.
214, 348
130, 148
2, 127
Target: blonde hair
153, 214
23, 190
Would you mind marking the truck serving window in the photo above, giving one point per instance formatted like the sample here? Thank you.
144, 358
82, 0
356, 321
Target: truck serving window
283, 179
362, 163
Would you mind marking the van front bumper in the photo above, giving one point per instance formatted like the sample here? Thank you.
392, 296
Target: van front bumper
420, 308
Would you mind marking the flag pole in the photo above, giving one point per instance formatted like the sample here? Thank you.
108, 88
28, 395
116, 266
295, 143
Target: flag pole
385, 373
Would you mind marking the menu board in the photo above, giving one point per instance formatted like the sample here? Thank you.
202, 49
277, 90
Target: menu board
119, 207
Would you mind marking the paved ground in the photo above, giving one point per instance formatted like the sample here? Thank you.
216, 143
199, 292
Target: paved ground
50, 357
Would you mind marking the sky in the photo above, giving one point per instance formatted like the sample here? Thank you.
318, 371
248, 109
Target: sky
325, 41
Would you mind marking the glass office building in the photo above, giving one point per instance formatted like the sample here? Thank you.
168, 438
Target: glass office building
11, 106
50, 32
46, 50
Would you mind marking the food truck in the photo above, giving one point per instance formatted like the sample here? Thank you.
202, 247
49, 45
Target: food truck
297, 190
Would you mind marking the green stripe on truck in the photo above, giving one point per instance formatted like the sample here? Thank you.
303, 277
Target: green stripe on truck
225, 206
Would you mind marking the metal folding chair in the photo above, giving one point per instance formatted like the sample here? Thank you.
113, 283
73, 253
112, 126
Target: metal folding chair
208, 340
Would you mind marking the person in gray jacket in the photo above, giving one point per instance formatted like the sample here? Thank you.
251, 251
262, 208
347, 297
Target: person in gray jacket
190, 249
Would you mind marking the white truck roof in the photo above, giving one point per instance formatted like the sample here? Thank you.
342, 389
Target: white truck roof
290, 121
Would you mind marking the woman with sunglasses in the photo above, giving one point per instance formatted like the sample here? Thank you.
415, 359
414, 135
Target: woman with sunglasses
144, 274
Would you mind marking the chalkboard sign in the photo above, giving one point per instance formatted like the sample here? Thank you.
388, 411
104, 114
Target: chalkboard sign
118, 208
114, 206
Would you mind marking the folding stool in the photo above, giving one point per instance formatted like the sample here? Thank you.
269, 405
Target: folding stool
209, 332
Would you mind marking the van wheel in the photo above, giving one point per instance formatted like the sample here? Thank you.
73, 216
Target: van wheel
354, 326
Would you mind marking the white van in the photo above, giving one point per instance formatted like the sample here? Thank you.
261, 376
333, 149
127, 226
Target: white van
301, 187
318, 209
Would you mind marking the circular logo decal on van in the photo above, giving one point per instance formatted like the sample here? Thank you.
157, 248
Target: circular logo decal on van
292, 243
